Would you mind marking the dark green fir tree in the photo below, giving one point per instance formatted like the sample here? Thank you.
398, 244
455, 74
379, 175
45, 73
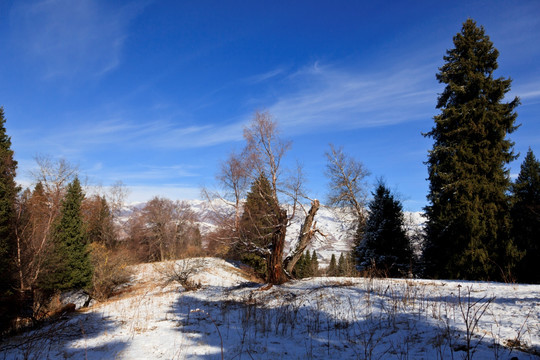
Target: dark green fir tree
304, 267
314, 264
385, 244
467, 213
332, 267
69, 266
8, 194
526, 219
342, 266
256, 225
299, 267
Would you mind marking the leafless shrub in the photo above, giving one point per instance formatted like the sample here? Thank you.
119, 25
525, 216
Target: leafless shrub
518, 343
110, 270
471, 313
181, 272
373, 271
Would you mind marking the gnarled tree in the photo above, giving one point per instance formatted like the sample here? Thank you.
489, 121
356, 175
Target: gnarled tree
263, 155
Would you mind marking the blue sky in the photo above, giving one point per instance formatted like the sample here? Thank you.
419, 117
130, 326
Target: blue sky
156, 93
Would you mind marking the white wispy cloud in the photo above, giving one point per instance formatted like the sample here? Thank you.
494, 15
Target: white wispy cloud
526, 89
72, 38
255, 79
323, 98
142, 172
154, 134
333, 98
528, 92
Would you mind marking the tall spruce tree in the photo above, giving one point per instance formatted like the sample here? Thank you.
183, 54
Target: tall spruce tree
8, 194
69, 267
467, 226
526, 218
385, 243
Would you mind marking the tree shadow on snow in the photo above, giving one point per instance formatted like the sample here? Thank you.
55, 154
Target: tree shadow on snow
316, 323
69, 336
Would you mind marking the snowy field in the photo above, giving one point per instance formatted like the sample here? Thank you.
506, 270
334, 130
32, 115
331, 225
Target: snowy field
319, 318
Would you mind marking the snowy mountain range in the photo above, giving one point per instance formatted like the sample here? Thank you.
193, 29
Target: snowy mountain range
334, 223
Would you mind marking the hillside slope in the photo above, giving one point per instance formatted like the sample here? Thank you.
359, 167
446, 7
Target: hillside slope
319, 318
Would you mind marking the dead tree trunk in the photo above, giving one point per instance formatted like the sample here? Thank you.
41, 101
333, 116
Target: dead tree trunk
275, 273
307, 231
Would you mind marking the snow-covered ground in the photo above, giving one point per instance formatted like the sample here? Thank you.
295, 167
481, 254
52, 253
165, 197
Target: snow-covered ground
319, 318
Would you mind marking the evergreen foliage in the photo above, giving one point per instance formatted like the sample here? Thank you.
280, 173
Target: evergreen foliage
256, 224
69, 266
358, 239
332, 267
299, 267
307, 259
526, 218
385, 244
342, 266
314, 265
305, 268
467, 227
256, 262
307, 265
8, 194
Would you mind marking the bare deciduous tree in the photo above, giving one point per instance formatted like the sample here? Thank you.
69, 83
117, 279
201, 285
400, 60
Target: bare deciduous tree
226, 205
234, 176
265, 149
347, 182
165, 228
99, 220
116, 197
54, 175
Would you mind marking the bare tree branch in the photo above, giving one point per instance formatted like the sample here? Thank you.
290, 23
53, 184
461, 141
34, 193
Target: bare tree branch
347, 182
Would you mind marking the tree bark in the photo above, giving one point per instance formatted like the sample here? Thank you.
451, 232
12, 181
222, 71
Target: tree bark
275, 273
307, 231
